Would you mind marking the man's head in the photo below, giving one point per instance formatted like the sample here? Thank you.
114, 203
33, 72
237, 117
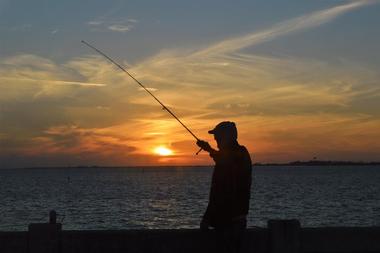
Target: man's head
225, 134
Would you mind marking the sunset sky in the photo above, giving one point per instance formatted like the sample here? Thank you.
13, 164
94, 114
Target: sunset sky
301, 79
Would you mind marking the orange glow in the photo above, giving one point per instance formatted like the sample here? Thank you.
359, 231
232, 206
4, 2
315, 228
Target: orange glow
163, 151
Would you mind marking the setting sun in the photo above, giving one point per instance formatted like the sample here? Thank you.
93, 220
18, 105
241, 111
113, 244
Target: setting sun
163, 151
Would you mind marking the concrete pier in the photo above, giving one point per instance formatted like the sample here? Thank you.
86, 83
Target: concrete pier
279, 236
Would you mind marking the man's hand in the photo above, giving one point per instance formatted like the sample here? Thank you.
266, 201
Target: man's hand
204, 145
204, 226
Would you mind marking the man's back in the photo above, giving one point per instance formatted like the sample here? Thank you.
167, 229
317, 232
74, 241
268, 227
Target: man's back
230, 188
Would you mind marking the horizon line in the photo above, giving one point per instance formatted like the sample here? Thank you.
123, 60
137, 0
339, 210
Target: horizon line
290, 163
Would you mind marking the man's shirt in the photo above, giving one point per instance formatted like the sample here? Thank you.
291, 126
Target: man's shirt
230, 187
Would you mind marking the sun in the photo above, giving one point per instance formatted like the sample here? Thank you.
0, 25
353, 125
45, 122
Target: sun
163, 151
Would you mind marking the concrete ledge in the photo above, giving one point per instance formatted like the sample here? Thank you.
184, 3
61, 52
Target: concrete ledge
44, 238
280, 236
13, 242
340, 239
155, 241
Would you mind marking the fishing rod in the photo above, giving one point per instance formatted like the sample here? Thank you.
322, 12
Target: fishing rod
142, 86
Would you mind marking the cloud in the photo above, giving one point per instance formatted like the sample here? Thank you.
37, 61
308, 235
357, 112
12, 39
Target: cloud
278, 104
95, 22
22, 28
149, 89
284, 28
120, 28
115, 24
132, 20
58, 82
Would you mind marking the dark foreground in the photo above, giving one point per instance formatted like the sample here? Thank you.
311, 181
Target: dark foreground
280, 236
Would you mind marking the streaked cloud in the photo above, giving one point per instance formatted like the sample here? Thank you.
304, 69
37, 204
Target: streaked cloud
58, 82
115, 24
95, 22
120, 28
283, 28
132, 20
149, 89
21, 28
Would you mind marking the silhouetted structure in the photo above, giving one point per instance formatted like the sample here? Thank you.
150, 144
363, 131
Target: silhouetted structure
281, 236
230, 188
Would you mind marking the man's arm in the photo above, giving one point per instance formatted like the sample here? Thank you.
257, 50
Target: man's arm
206, 147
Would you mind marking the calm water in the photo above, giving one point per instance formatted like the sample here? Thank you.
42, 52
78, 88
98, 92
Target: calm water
124, 198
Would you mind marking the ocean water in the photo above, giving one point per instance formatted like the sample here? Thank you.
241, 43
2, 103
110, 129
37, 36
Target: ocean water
176, 197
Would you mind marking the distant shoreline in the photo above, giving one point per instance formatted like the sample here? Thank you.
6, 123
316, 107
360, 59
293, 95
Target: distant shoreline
294, 163
318, 163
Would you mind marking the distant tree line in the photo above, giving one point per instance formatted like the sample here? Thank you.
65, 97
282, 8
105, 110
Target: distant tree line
317, 163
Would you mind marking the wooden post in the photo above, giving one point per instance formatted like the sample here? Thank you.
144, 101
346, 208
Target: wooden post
284, 236
45, 237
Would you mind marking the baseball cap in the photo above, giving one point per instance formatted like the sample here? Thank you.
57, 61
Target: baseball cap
226, 128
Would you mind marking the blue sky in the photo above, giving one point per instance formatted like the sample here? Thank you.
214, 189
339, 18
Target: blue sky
54, 28
300, 79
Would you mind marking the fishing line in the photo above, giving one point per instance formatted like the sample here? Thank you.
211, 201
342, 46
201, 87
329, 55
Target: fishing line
142, 86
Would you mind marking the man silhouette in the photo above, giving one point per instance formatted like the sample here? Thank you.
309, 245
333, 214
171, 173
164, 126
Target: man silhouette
230, 188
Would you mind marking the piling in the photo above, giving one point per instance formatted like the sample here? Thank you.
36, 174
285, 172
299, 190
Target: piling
284, 236
45, 237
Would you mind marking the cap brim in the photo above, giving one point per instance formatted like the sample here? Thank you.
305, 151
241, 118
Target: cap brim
211, 131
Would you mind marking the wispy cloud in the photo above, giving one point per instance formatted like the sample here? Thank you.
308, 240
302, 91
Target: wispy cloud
132, 20
58, 82
116, 24
149, 89
21, 28
120, 28
283, 28
95, 22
